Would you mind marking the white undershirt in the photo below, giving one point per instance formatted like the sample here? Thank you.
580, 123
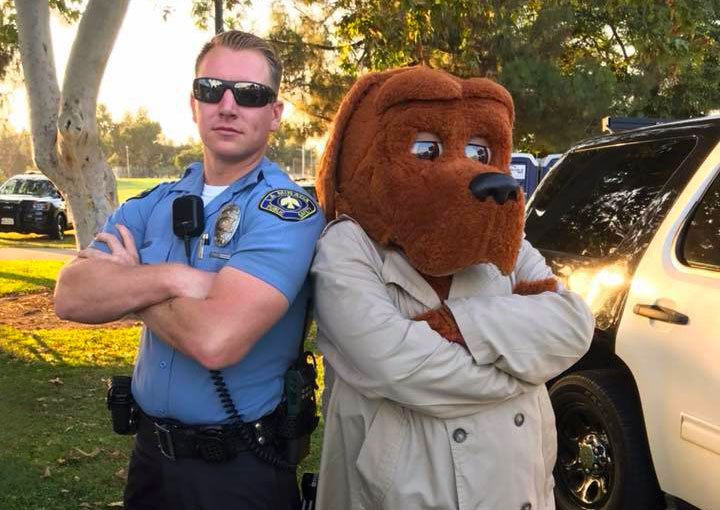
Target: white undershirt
210, 192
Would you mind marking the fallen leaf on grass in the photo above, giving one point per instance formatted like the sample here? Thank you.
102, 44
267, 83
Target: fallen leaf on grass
56, 381
85, 504
120, 473
87, 454
65, 491
46, 473
116, 503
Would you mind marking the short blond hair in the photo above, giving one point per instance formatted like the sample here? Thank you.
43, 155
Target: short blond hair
237, 40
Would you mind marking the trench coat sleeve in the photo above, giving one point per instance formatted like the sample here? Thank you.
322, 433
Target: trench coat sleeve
383, 354
533, 338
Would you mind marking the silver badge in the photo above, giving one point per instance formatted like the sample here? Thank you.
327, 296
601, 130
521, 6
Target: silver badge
227, 223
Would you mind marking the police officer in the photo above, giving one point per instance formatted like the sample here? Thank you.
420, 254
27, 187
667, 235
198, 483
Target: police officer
235, 306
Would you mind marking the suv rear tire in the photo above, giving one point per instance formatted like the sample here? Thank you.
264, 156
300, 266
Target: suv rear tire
603, 459
58, 228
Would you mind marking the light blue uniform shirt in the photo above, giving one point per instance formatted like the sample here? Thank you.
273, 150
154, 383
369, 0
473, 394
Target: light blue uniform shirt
271, 243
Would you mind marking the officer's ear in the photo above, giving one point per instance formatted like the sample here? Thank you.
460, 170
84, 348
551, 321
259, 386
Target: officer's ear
276, 109
193, 101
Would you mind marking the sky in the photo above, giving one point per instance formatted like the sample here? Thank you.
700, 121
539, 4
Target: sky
151, 65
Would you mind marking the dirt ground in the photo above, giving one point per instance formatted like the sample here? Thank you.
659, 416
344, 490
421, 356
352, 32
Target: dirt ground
36, 311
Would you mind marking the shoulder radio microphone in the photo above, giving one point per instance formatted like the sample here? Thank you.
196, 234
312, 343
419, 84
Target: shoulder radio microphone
188, 219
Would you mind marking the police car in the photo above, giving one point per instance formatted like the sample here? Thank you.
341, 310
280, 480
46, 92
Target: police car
31, 203
631, 221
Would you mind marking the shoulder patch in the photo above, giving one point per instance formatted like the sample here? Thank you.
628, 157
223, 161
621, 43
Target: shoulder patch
145, 193
288, 205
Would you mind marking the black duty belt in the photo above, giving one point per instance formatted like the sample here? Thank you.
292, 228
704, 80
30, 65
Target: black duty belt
211, 443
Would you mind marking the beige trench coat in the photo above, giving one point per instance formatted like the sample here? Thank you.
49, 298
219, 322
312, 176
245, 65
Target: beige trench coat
416, 422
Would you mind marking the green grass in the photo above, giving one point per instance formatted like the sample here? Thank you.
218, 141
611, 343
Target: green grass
27, 277
14, 240
130, 187
57, 451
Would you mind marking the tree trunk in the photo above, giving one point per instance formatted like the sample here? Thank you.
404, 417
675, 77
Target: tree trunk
63, 124
218, 16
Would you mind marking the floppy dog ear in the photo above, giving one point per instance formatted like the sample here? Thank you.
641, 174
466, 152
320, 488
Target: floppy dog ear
326, 179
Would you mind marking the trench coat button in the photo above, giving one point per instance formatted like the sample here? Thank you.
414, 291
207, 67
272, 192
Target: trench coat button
459, 435
526, 506
519, 420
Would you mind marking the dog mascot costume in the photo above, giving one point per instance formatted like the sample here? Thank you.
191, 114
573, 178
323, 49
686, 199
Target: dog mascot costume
440, 322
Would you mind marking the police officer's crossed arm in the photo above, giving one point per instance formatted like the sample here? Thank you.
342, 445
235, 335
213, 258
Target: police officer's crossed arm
219, 330
213, 318
99, 287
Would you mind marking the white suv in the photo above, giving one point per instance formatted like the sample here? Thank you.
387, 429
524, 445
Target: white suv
632, 222
31, 203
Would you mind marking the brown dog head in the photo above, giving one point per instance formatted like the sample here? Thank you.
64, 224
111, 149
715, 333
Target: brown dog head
444, 207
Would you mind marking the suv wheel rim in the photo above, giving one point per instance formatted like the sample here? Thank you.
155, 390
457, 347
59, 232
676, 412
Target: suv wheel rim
585, 464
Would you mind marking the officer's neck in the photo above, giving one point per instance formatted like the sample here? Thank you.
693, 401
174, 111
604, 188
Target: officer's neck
223, 172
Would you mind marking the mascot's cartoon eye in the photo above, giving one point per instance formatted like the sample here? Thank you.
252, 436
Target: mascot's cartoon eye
426, 150
479, 153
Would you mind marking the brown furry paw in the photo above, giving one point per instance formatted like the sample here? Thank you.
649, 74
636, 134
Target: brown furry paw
537, 287
442, 321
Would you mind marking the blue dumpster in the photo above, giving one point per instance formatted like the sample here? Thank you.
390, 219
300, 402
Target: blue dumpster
547, 163
524, 168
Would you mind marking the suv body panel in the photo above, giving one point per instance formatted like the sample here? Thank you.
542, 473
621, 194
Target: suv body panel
676, 366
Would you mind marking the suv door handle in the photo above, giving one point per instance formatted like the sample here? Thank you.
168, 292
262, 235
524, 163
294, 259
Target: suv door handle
661, 313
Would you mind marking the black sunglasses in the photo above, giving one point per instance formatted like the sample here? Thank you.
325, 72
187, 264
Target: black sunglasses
246, 93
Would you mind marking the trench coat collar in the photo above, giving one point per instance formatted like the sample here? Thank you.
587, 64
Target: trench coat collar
396, 269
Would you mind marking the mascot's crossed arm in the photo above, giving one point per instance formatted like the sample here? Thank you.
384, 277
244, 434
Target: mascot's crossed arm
441, 324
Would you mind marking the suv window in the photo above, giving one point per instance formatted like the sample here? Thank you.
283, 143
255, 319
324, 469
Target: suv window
701, 245
33, 187
589, 203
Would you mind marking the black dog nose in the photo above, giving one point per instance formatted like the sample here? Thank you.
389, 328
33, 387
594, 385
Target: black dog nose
496, 185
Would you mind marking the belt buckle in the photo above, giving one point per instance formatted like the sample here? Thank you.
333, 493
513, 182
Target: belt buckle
165, 441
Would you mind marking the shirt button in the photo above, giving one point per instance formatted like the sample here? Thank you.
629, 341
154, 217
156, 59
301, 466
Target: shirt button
459, 435
526, 506
519, 420
163, 364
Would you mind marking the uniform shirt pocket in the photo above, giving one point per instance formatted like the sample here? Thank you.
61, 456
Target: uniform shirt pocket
152, 251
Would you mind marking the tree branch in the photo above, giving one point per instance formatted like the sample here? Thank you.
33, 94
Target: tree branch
90, 52
77, 122
300, 107
38, 63
320, 46
617, 38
